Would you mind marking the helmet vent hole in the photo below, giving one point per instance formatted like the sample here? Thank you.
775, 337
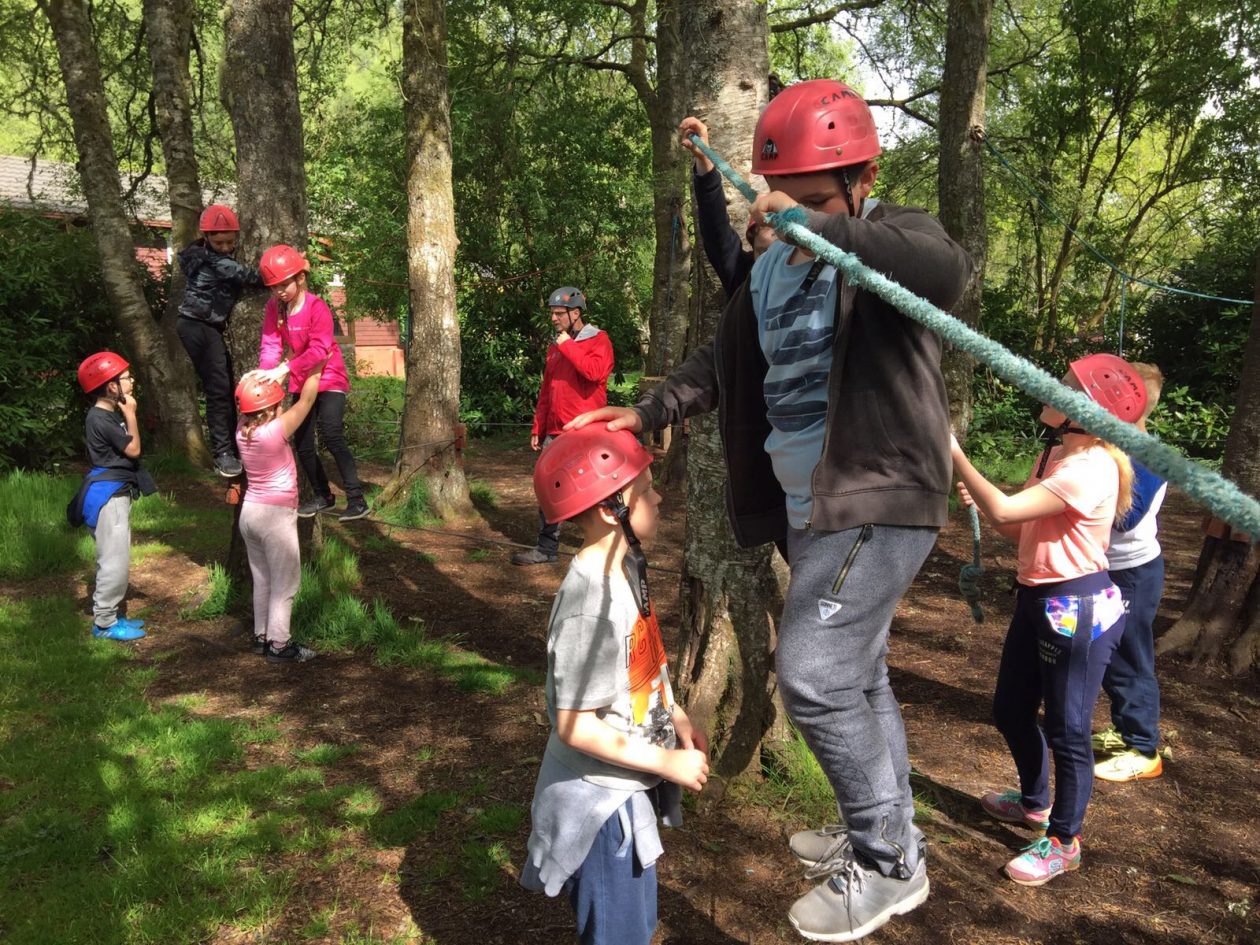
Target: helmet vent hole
831, 126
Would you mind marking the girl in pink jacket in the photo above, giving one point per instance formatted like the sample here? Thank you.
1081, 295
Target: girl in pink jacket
297, 336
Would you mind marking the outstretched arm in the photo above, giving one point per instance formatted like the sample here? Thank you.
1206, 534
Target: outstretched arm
1006, 512
292, 418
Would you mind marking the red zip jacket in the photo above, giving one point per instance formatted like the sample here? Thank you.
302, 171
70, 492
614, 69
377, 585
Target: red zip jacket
574, 380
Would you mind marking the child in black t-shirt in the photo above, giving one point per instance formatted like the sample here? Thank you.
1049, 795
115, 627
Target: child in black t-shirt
112, 437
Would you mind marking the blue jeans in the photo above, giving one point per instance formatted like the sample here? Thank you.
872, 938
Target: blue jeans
1055, 654
1130, 677
613, 896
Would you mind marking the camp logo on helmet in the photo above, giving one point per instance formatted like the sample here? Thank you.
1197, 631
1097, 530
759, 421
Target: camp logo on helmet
769, 151
836, 97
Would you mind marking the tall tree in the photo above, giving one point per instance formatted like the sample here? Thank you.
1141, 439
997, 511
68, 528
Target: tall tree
730, 596
1222, 616
431, 415
168, 30
167, 393
649, 55
960, 175
259, 89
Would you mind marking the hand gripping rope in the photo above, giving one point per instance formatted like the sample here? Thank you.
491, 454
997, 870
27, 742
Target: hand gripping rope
1209, 488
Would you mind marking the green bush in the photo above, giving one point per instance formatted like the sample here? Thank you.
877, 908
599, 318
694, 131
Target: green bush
55, 314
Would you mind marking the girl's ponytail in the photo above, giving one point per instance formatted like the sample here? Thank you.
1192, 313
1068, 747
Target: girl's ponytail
1124, 498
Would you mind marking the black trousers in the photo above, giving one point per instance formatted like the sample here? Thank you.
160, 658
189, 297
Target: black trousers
213, 362
329, 413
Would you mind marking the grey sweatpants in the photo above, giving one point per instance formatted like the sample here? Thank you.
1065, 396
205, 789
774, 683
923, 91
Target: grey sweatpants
832, 668
113, 558
271, 538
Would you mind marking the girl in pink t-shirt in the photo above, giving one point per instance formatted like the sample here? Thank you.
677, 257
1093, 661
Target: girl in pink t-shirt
268, 519
1068, 617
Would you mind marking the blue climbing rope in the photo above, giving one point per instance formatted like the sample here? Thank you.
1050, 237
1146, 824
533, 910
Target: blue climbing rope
1222, 497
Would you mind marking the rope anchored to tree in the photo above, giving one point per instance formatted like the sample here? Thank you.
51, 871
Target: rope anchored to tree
1207, 487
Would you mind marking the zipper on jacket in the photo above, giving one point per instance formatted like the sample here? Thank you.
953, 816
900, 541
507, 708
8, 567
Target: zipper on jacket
861, 539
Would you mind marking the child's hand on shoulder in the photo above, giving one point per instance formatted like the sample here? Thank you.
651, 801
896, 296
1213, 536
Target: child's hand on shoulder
688, 767
774, 202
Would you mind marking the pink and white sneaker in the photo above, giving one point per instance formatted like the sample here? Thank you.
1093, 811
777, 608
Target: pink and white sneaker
1043, 860
1008, 807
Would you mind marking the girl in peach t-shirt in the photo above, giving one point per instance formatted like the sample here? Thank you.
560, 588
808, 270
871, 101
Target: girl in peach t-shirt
1068, 617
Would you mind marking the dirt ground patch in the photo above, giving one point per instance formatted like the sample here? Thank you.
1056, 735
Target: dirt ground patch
1172, 860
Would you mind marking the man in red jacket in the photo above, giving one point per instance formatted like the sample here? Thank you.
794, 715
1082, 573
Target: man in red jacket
575, 380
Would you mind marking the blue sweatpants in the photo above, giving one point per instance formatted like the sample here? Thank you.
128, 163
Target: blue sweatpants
1130, 678
614, 896
1055, 653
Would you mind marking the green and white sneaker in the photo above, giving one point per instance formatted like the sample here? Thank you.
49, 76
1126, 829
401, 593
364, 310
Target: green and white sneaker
1107, 741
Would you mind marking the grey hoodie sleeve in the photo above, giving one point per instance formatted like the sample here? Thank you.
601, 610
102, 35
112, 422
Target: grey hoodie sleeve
692, 388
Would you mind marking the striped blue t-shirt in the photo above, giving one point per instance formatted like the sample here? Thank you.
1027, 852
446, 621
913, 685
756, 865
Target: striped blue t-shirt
795, 307
796, 327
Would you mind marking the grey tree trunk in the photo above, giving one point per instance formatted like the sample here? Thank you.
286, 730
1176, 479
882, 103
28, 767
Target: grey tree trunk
168, 26
730, 596
431, 438
961, 176
671, 269
1222, 617
167, 399
260, 92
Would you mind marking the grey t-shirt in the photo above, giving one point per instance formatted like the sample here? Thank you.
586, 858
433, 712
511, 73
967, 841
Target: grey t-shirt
602, 654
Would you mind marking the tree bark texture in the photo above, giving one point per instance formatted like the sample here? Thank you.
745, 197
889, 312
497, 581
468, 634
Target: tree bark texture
961, 176
260, 92
1222, 617
431, 440
730, 596
671, 269
168, 28
167, 397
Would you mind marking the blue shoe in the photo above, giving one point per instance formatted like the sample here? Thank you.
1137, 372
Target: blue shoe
128, 622
119, 631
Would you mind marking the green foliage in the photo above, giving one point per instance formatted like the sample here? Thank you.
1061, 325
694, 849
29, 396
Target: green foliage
55, 314
109, 799
329, 617
374, 416
34, 537
1196, 428
218, 597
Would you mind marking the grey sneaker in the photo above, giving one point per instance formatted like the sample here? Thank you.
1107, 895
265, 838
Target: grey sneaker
856, 901
533, 556
813, 847
228, 466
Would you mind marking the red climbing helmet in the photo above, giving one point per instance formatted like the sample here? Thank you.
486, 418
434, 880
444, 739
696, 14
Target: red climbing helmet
218, 218
814, 126
99, 369
281, 262
1112, 383
579, 469
257, 393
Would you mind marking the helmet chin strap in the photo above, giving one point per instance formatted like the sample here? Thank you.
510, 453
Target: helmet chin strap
634, 554
1053, 440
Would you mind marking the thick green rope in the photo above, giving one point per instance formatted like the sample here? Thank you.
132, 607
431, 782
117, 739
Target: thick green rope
1222, 497
969, 574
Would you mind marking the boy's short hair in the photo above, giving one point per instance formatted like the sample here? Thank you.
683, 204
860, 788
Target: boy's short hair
1153, 380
